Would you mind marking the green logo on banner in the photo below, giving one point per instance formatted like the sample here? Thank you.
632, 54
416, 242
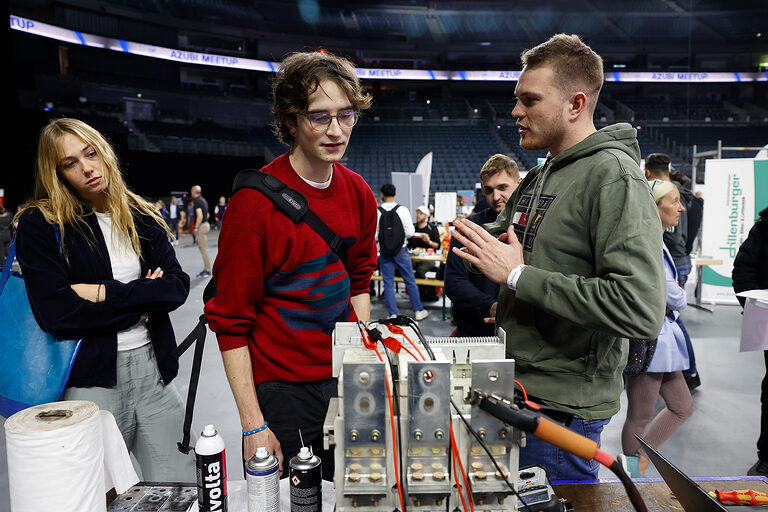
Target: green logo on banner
709, 276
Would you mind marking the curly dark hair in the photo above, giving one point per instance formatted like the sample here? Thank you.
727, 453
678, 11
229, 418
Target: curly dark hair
299, 75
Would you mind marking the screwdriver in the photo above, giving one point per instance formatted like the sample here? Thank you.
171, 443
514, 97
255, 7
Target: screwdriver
742, 497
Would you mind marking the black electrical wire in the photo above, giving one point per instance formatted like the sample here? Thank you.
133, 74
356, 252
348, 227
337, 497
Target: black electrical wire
397, 441
490, 455
412, 323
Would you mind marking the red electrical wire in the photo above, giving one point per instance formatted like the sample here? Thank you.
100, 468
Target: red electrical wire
463, 474
532, 405
411, 353
394, 436
396, 329
396, 346
458, 485
372, 346
415, 346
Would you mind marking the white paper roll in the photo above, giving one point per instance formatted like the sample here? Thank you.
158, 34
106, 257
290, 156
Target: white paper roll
56, 457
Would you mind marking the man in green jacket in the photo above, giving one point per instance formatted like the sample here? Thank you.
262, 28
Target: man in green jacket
578, 252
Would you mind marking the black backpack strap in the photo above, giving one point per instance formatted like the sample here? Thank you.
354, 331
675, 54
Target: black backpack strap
292, 203
197, 336
296, 207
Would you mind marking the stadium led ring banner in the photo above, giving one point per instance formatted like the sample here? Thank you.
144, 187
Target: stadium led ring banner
232, 62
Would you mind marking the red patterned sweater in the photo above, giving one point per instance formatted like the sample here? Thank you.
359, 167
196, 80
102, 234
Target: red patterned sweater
280, 288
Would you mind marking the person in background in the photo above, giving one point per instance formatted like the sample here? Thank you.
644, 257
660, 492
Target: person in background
750, 272
201, 227
401, 260
183, 224
160, 205
664, 375
280, 288
577, 254
425, 234
189, 224
473, 295
218, 211
173, 219
425, 237
658, 166
6, 220
112, 283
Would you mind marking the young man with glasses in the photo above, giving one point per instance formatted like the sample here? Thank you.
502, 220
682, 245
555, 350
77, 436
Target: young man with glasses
280, 288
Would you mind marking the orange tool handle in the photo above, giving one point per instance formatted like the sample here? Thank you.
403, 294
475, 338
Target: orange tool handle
565, 439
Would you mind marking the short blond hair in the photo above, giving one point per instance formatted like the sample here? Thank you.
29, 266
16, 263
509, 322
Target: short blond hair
498, 163
576, 65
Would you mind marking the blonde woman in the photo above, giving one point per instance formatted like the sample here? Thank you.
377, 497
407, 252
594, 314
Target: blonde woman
664, 375
111, 282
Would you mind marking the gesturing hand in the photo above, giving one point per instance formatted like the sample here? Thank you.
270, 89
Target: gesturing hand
493, 257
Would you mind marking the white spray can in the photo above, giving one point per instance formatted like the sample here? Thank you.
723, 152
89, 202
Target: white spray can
211, 464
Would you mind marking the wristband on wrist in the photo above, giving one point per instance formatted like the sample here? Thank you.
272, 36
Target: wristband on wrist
98, 292
514, 275
249, 432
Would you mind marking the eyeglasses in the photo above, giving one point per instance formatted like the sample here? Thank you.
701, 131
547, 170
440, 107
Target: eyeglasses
321, 121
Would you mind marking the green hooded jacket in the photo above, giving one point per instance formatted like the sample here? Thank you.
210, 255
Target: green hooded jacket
595, 276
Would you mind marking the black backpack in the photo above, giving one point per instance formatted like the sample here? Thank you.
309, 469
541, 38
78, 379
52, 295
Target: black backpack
391, 232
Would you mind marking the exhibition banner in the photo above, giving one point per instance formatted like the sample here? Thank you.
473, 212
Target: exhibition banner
737, 190
236, 62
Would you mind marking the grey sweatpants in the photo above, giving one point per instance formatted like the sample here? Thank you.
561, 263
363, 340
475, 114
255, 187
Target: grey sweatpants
148, 413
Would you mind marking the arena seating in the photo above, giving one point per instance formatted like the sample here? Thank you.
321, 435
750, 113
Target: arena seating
458, 152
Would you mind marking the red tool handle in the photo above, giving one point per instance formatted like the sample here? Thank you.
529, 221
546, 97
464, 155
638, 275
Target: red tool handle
742, 497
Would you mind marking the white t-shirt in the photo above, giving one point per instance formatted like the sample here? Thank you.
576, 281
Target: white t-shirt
317, 184
125, 268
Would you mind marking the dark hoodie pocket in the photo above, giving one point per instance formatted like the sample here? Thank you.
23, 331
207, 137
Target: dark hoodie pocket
568, 347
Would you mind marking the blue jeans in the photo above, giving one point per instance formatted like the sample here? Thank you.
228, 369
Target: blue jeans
387, 266
559, 464
683, 271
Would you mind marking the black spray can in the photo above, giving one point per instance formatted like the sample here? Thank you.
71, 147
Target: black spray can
306, 477
211, 471
262, 478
